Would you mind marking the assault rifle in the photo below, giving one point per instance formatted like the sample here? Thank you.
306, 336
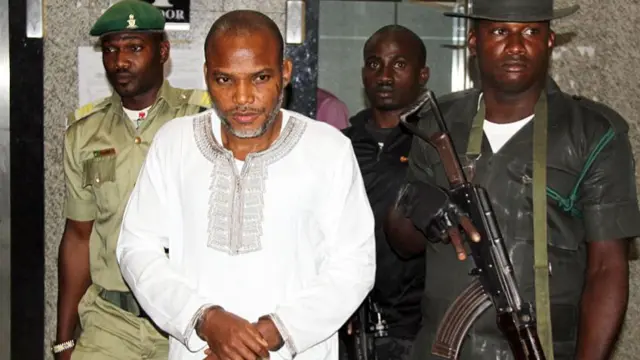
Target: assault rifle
494, 282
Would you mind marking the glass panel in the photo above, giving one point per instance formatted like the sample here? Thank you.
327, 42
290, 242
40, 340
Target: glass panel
344, 26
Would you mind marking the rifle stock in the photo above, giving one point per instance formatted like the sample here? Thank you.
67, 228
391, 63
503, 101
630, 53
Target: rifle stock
495, 282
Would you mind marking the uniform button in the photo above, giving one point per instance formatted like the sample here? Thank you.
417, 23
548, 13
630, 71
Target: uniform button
137, 140
97, 180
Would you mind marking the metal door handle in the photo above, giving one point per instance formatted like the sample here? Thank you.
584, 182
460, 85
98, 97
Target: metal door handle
295, 22
34, 19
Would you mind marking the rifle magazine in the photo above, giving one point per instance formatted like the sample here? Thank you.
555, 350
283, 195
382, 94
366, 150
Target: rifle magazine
462, 313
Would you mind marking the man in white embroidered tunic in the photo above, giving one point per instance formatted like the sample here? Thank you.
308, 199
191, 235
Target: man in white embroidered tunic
263, 211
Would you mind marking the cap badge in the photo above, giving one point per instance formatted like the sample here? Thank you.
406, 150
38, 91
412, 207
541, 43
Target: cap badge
132, 22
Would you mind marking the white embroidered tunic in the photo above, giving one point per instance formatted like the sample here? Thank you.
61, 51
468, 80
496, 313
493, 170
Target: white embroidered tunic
287, 232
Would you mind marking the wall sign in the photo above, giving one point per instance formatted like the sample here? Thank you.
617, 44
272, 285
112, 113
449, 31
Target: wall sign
176, 13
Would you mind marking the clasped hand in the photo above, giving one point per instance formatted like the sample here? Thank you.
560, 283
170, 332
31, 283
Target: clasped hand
231, 337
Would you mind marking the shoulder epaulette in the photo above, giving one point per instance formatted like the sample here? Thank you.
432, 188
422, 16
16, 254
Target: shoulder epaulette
199, 98
88, 109
617, 122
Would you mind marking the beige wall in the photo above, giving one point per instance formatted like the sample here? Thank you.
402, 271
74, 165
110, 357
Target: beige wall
599, 62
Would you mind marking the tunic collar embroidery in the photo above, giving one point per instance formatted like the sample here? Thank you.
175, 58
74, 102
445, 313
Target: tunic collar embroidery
236, 203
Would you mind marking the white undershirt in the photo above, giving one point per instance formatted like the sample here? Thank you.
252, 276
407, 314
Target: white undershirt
134, 115
500, 134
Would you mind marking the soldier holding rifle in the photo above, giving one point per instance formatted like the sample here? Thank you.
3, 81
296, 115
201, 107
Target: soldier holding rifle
559, 176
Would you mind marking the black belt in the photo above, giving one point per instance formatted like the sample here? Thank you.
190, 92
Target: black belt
125, 301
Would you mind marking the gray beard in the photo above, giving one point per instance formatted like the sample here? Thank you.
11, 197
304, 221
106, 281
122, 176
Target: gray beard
251, 134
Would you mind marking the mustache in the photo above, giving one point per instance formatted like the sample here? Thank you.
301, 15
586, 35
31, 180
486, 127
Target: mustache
515, 60
120, 72
384, 88
245, 109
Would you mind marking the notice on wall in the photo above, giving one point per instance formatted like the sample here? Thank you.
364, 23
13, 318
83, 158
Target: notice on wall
184, 70
176, 13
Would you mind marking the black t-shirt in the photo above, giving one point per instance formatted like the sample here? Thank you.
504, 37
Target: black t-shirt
379, 134
381, 155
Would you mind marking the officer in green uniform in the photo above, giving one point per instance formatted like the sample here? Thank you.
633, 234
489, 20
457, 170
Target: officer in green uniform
105, 145
520, 135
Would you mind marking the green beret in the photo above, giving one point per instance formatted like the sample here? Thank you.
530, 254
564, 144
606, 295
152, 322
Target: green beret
129, 15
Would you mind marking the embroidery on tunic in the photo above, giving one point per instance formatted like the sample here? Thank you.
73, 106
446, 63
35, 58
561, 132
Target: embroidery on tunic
236, 203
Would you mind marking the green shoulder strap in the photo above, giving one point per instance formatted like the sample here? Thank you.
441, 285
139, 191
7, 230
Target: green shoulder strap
541, 261
540, 253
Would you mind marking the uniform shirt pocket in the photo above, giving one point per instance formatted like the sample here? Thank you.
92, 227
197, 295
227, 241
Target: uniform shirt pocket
100, 174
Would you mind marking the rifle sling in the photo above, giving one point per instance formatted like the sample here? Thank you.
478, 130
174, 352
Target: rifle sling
541, 256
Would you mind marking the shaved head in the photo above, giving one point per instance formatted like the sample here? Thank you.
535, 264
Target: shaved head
244, 23
398, 31
246, 73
